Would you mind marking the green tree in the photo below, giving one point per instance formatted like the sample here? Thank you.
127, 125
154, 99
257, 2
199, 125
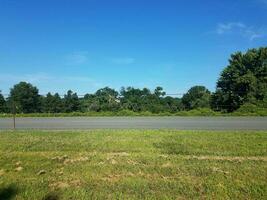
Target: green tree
107, 99
243, 80
71, 102
135, 99
196, 97
172, 104
90, 103
155, 101
139, 100
26, 98
52, 103
104, 99
159, 92
3, 107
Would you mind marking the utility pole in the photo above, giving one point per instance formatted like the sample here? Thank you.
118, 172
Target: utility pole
14, 115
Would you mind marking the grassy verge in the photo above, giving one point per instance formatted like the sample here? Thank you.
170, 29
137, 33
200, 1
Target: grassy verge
133, 164
198, 112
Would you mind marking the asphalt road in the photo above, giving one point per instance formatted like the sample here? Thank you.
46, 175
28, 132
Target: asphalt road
180, 123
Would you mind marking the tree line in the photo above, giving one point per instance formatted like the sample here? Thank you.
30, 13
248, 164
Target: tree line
243, 81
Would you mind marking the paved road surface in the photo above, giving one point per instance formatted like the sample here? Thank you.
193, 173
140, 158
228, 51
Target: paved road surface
180, 123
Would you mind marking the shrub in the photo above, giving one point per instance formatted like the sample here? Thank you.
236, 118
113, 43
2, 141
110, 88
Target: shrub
250, 109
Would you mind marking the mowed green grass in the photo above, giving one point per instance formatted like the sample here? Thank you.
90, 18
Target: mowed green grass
133, 164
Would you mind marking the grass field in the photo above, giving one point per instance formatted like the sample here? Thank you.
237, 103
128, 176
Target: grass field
131, 164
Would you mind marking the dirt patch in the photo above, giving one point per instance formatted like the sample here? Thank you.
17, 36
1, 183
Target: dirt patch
76, 183
167, 165
163, 156
117, 177
18, 169
132, 162
227, 158
59, 185
111, 156
63, 185
18, 166
60, 173
60, 158
112, 178
218, 170
66, 160
2, 172
118, 154
113, 162
75, 160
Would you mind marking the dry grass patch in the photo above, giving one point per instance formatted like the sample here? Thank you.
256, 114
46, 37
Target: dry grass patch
134, 164
229, 158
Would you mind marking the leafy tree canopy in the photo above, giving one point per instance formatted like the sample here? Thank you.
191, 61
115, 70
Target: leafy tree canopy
2, 103
71, 102
52, 104
26, 98
243, 80
196, 97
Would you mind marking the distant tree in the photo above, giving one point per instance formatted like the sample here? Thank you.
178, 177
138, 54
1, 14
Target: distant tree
139, 100
172, 104
52, 103
155, 101
89, 103
104, 99
243, 80
159, 92
135, 99
3, 105
107, 99
26, 98
71, 102
196, 97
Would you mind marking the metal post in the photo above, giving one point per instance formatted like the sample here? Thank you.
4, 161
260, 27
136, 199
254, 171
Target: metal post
14, 115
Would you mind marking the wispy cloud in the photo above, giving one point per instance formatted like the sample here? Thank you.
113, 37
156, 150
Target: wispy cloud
32, 78
238, 28
229, 27
263, 1
48, 82
77, 58
123, 61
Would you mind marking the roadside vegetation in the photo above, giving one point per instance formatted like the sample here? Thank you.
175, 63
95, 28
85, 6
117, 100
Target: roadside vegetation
246, 111
241, 90
133, 164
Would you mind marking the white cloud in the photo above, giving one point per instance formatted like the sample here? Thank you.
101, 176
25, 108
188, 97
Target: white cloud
77, 58
229, 27
33, 78
46, 82
123, 61
238, 28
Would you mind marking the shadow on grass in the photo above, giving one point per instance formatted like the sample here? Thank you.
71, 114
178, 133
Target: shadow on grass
51, 196
172, 148
8, 193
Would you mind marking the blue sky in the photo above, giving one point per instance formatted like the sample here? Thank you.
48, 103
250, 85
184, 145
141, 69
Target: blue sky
84, 45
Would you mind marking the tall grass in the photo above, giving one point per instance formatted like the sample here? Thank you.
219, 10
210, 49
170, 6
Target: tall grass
246, 110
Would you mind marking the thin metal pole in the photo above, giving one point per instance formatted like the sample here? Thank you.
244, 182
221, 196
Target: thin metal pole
14, 115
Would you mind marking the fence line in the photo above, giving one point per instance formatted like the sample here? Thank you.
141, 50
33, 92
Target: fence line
82, 95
